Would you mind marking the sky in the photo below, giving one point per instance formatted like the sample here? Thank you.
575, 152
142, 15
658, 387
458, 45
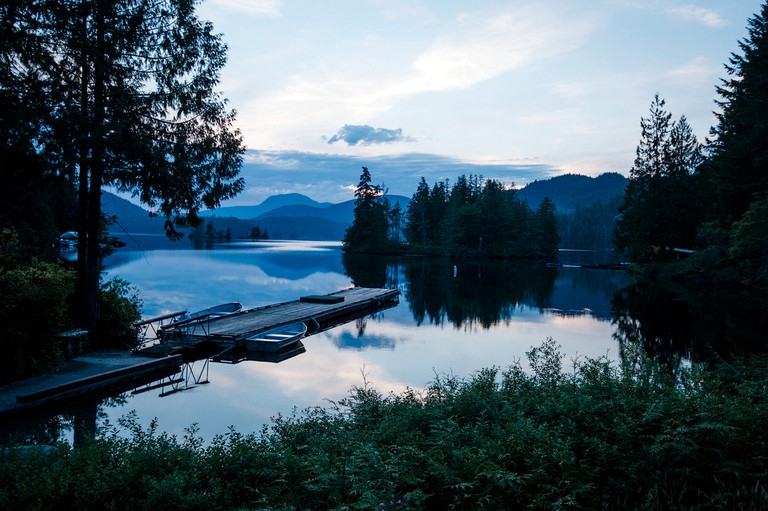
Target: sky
510, 90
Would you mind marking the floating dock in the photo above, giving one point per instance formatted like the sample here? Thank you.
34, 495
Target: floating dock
318, 312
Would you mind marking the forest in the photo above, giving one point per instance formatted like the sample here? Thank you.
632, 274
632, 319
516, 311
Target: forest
474, 217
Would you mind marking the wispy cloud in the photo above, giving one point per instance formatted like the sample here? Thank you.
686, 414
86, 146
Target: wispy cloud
698, 70
252, 7
706, 17
468, 50
354, 134
483, 47
331, 177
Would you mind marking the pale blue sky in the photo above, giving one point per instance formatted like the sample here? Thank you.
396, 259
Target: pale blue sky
526, 89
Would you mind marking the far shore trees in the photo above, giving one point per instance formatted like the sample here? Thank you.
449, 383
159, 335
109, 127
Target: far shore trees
370, 229
120, 93
479, 218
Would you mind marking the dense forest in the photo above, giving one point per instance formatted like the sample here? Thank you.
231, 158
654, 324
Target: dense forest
701, 213
475, 217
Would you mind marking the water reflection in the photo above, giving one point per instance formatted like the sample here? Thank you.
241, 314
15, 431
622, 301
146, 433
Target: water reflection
453, 316
484, 293
669, 324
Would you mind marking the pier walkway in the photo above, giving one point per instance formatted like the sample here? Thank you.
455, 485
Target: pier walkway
317, 312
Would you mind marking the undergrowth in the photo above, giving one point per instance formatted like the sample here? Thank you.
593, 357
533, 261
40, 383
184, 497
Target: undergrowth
588, 436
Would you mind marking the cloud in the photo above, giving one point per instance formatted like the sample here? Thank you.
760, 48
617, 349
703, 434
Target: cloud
481, 48
697, 71
467, 50
331, 177
253, 7
355, 134
706, 17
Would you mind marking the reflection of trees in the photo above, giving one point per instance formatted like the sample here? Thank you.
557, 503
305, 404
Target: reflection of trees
651, 322
668, 325
484, 292
371, 270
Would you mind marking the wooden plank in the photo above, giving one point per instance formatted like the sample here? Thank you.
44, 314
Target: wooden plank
159, 318
101, 378
321, 299
250, 321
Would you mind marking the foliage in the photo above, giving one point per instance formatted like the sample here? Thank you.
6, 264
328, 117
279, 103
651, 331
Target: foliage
717, 210
120, 93
120, 307
34, 310
477, 217
657, 214
737, 170
376, 225
589, 435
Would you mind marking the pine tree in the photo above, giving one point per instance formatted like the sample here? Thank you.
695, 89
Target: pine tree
660, 206
124, 96
368, 232
738, 170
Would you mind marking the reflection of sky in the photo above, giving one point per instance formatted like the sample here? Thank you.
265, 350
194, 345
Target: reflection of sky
393, 352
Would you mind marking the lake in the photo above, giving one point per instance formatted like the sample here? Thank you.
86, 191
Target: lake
453, 318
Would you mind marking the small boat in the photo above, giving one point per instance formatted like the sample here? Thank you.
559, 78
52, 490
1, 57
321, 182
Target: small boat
276, 338
68, 240
211, 312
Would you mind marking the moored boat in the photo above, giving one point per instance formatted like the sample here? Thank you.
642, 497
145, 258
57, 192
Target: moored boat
276, 338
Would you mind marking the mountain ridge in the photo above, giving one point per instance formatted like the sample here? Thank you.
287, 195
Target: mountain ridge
297, 216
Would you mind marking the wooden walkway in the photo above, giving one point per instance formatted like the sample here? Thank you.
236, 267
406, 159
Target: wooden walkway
316, 312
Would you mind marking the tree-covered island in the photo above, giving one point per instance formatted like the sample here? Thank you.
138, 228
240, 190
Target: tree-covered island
473, 218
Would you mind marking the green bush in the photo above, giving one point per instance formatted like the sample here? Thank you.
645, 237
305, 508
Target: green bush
33, 311
119, 308
587, 436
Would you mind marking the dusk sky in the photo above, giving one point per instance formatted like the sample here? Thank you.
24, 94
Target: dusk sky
512, 90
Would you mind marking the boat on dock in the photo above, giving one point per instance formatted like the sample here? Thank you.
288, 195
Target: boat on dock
211, 312
236, 329
276, 338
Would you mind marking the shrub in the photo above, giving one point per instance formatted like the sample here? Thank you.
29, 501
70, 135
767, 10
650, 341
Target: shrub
592, 436
33, 311
119, 308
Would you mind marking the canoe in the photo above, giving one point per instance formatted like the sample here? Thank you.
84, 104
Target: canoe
209, 313
276, 338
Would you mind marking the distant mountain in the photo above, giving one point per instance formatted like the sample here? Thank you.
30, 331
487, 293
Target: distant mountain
572, 191
270, 204
130, 217
343, 212
296, 216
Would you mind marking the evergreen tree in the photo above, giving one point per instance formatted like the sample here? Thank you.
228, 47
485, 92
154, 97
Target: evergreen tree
545, 234
125, 96
416, 230
739, 154
369, 229
659, 208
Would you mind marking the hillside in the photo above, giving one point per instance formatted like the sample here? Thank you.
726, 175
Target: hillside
270, 204
296, 216
130, 217
572, 191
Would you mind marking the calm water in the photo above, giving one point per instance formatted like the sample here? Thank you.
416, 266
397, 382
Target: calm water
452, 319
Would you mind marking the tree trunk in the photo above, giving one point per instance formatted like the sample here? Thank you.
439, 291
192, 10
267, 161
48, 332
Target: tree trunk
83, 177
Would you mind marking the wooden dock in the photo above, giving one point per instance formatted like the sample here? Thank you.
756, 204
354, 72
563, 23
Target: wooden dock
317, 312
